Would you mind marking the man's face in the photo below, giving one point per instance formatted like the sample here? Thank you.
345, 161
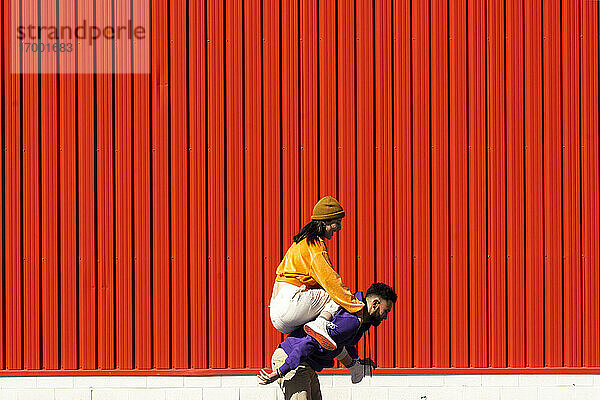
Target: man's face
379, 309
332, 227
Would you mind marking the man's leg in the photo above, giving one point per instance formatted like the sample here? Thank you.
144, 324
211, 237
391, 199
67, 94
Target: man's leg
296, 384
299, 387
315, 387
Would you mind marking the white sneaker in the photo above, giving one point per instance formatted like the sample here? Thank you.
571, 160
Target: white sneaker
318, 329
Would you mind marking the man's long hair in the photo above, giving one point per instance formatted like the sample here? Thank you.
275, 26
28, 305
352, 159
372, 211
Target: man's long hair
311, 232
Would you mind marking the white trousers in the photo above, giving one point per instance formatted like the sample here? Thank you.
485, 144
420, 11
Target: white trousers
292, 306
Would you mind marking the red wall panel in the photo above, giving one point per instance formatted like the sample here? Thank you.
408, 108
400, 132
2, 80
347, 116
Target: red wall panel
365, 150
123, 208
477, 184
216, 282
534, 185
515, 189
142, 206
458, 155
161, 190
31, 206
13, 206
235, 183
553, 202
402, 185
571, 182
198, 185
271, 166
105, 221
49, 202
384, 222
421, 176
144, 212
179, 207
496, 183
253, 184
67, 165
440, 217
589, 182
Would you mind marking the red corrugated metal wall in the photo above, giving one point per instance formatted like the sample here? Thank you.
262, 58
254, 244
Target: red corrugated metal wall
143, 215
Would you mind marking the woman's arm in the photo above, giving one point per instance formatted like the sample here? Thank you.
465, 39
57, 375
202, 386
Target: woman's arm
322, 271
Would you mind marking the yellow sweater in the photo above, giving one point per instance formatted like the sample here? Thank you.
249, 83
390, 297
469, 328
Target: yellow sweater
309, 265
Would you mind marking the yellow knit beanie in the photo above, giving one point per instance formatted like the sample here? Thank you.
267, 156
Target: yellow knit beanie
327, 208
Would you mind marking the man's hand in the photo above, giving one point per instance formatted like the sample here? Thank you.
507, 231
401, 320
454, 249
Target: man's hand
267, 378
368, 361
360, 368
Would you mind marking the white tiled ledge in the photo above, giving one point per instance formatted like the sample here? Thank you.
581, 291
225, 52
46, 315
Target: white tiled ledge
334, 387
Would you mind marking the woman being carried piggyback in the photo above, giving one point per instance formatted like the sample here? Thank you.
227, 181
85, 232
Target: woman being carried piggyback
307, 290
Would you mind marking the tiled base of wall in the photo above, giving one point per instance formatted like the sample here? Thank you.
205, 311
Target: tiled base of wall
333, 387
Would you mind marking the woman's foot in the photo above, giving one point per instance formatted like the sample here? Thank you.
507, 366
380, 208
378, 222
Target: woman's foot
319, 330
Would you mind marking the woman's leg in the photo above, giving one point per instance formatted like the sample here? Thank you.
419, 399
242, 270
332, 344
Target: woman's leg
329, 310
319, 327
293, 306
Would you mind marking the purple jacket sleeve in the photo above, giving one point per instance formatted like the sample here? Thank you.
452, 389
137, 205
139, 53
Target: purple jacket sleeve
301, 350
347, 333
346, 329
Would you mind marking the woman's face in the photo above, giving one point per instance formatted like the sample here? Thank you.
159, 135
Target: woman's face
332, 227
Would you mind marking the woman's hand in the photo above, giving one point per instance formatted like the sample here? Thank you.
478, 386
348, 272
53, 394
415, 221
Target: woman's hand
360, 368
267, 378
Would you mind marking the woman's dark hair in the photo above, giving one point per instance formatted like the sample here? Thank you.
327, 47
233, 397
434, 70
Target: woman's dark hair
382, 290
311, 232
